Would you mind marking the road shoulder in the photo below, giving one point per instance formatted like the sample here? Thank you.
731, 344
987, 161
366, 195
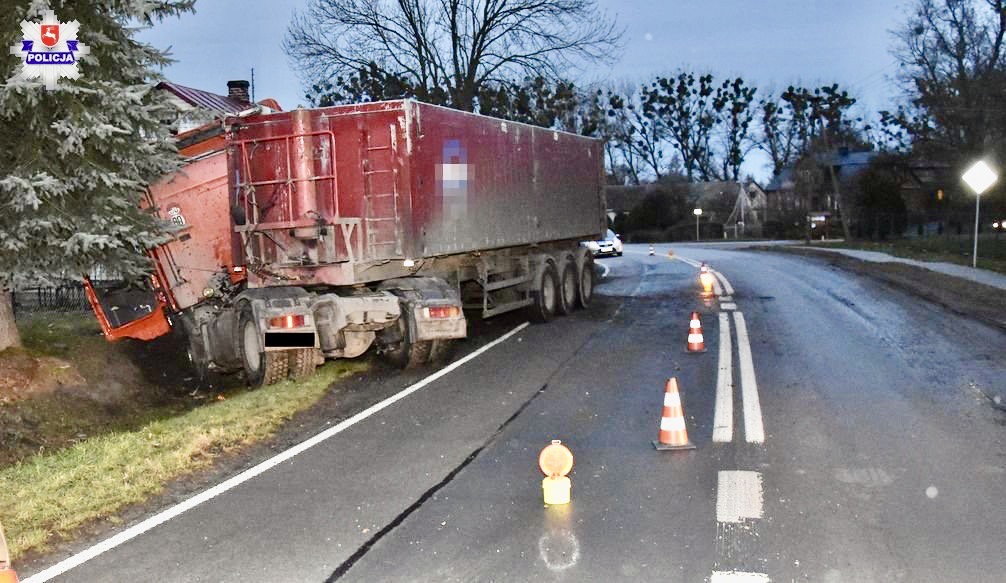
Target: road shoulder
960, 296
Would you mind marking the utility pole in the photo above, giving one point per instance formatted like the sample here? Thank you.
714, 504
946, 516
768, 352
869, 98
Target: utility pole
834, 185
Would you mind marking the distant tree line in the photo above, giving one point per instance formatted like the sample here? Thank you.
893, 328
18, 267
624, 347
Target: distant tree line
508, 59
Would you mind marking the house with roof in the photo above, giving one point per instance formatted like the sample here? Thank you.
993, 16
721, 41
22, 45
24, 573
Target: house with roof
195, 121
791, 196
741, 207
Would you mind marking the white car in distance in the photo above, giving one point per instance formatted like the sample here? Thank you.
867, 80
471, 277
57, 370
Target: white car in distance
610, 245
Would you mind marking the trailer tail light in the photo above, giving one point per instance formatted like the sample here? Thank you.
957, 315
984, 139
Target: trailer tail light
443, 312
289, 321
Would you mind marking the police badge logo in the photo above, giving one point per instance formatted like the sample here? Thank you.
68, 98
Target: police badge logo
49, 51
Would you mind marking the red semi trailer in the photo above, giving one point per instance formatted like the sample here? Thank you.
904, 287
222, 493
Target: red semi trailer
319, 233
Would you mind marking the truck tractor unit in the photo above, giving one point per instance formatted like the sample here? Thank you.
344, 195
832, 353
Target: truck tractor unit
321, 233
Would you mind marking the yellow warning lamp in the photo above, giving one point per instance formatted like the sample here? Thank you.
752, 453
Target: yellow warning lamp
556, 462
706, 279
939, 194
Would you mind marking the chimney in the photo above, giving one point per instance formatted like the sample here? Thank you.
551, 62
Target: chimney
238, 90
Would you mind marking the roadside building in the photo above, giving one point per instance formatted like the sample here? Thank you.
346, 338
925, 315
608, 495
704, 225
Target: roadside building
806, 190
197, 110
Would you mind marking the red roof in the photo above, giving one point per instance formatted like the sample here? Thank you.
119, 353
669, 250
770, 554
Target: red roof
204, 99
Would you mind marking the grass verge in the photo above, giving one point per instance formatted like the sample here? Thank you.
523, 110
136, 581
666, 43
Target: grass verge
51, 496
991, 250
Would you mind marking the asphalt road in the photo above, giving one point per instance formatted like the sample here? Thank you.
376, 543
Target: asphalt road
852, 445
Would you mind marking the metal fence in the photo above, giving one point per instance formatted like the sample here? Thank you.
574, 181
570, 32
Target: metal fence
49, 301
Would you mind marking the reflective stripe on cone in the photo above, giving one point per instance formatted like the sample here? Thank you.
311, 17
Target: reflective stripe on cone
673, 432
696, 342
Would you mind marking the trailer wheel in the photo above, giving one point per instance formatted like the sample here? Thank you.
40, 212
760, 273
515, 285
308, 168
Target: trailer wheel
585, 293
546, 297
261, 367
303, 361
567, 289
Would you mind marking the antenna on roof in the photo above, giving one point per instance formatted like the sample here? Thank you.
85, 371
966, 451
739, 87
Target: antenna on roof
253, 84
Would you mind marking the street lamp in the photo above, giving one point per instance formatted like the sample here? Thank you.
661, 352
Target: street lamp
697, 213
979, 178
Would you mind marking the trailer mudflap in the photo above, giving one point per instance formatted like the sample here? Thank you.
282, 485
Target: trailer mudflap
121, 313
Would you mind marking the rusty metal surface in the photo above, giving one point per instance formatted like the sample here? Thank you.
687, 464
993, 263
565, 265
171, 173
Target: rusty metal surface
341, 195
331, 192
195, 199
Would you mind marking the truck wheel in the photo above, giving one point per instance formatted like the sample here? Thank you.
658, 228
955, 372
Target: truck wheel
441, 350
261, 367
567, 289
194, 349
585, 291
408, 353
303, 361
546, 297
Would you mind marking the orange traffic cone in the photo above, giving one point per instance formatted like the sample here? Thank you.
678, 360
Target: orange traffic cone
673, 434
7, 575
696, 342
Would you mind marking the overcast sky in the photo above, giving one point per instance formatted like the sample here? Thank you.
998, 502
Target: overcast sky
770, 43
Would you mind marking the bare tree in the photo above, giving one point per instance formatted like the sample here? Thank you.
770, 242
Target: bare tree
685, 107
778, 134
455, 46
954, 74
734, 101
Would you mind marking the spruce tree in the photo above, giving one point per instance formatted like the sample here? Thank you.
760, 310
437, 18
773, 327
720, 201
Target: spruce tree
74, 161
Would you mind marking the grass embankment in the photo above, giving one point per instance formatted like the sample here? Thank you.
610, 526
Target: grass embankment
991, 250
50, 496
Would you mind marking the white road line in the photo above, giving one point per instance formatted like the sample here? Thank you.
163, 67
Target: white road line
207, 495
606, 270
691, 262
729, 289
728, 306
716, 288
738, 577
723, 416
754, 430
738, 496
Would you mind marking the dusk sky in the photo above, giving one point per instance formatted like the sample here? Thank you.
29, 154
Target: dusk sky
770, 43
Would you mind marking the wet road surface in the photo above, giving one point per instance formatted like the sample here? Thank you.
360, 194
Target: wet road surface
841, 436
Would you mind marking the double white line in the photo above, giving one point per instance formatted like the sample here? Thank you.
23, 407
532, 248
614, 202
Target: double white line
723, 416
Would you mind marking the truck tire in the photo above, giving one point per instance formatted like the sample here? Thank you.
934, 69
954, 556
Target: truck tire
303, 361
568, 288
441, 351
585, 291
261, 367
195, 351
546, 297
408, 353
